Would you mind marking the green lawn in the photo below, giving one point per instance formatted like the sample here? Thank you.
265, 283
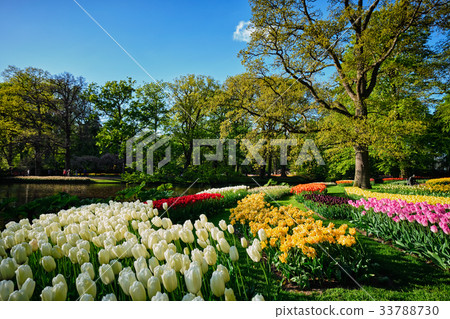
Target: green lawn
397, 276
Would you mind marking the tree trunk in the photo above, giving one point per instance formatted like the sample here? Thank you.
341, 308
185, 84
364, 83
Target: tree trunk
362, 168
283, 171
269, 164
68, 154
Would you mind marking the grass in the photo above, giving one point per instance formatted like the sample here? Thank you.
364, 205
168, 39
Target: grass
105, 181
397, 275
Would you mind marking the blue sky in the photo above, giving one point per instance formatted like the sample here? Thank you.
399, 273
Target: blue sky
168, 38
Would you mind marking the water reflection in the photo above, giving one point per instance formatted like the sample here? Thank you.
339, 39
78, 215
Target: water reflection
28, 192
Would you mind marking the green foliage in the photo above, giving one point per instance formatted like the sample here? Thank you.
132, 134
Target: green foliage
142, 193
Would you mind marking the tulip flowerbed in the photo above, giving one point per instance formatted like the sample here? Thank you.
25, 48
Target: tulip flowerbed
224, 190
331, 207
344, 183
298, 245
121, 251
271, 192
418, 228
191, 206
408, 198
425, 190
305, 188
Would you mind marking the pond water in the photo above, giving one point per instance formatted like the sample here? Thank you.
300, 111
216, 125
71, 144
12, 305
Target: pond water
28, 192
25, 193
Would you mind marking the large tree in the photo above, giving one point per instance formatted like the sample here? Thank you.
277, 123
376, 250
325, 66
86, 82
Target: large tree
299, 40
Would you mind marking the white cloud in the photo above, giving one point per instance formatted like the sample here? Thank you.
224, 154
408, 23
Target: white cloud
243, 31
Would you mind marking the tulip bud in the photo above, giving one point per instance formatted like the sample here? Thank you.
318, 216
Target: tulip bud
186, 236
82, 256
153, 286
85, 285
244, 242
73, 252
202, 234
18, 295
188, 297
176, 262
188, 225
48, 263
116, 266
234, 255
229, 295
6, 289
160, 297
156, 221
126, 279
109, 297
224, 246
59, 291
22, 274
28, 287
87, 297
159, 249
169, 279
59, 278
224, 272
193, 278
152, 263
20, 254
137, 291
258, 297
144, 275
89, 269
217, 284
103, 256
106, 274
262, 234
34, 245
166, 223
57, 252
47, 294
46, 249
2, 252
230, 229
165, 206
210, 255
254, 254
223, 225
139, 250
